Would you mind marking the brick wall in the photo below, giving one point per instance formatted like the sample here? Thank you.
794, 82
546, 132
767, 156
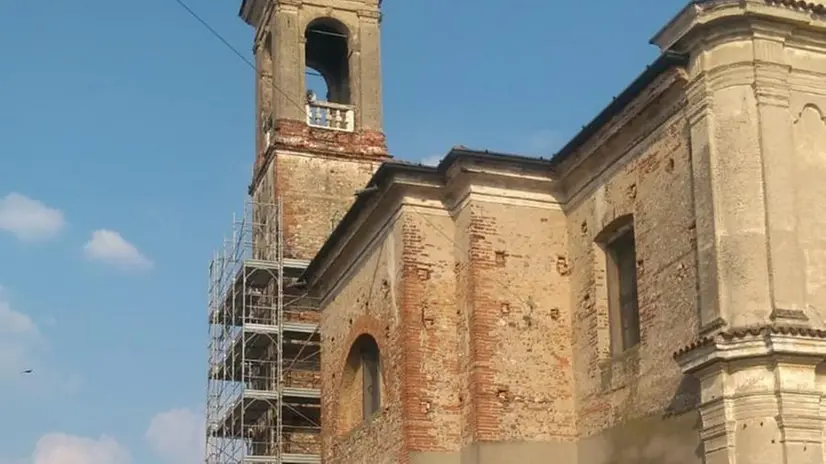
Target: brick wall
478, 309
515, 325
493, 319
432, 376
302, 443
655, 185
369, 302
316, 192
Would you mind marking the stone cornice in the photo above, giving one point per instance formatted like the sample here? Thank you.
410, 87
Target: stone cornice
251, 11
467, 181
424, 190
700, 15
262, 29
297, 137
752, 342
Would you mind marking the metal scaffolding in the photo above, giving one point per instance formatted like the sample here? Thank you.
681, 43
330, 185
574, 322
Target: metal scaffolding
263, 392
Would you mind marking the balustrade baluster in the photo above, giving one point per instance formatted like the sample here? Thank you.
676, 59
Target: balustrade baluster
328, 115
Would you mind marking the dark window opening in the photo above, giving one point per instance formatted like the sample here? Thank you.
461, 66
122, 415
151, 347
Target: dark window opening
328, 57
622, 291
371, 370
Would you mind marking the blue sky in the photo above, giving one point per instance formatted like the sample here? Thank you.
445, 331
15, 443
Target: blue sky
126, 135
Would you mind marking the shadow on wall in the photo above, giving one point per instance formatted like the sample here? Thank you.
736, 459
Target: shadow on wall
670, 438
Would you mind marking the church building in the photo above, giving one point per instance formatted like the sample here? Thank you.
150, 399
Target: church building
655, 293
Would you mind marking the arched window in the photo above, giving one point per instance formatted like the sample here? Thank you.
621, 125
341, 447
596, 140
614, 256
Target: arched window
617, 240
327, 54
363, 382
371, 383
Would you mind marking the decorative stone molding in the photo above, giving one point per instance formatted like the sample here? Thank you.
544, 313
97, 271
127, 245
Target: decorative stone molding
759, 391
700, 15
765, 340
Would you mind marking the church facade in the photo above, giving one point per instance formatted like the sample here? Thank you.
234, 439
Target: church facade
654, 293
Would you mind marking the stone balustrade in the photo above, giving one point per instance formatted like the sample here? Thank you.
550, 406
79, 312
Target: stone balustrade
327, 115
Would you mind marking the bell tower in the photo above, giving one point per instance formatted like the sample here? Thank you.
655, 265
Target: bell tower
315, 151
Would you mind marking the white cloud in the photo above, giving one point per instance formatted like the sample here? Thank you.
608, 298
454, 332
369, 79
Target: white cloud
177, 436
110, 247
22, 347
14, 323
19, 338
432, 160
28, 219
58, 448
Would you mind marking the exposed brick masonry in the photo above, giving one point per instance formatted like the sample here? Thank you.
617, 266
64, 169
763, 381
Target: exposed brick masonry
369, 304
315, 192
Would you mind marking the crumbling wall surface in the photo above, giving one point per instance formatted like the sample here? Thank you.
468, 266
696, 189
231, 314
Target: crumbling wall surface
808, 132
298, 136
316, 192
403, 295
514, 331
366, 302
433, 387
302, 443
520, 323
637, 407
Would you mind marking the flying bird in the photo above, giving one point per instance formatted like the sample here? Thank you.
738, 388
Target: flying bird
27, 371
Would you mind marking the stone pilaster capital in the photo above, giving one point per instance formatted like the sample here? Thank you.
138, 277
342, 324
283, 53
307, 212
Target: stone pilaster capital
792, 344
369, 14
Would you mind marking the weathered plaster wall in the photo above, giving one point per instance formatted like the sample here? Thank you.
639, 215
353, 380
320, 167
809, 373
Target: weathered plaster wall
807, 108
756, 96
635, 407
402, 294
500, 320
515, 326
368, 301
479, 334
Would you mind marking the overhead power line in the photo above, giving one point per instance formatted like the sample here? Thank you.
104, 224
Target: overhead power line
237, 53
504, 285
240, 55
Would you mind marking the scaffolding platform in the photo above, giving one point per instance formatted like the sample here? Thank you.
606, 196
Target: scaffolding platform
302, 405
253, 403
253, 347
263, 381
251, 282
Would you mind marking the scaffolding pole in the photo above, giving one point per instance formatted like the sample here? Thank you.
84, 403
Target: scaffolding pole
263, 392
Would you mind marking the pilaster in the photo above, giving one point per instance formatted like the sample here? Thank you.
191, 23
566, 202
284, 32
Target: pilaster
367, 66
729, 188
287, 63
754, 268
772, 92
